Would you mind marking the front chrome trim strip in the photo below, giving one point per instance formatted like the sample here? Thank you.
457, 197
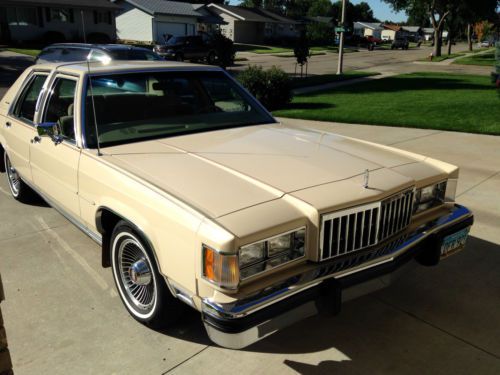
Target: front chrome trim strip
308, 279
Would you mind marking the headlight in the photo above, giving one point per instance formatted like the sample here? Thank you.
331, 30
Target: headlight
429, 196
273, 252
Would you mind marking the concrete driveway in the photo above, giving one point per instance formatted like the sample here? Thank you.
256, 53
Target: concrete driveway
63, 315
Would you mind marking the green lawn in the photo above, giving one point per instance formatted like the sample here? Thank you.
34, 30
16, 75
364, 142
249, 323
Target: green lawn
442, 101
314, 80
260, 49
483, 59
31, 52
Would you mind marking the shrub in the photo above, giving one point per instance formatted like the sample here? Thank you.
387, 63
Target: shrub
271, 87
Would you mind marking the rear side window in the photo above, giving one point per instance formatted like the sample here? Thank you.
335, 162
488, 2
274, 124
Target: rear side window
49, 54
26, 105
74, 54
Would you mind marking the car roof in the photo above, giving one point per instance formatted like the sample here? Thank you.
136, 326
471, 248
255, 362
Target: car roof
108, 47
82, 68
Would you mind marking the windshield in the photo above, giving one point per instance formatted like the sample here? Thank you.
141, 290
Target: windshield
176, 40
133, 54
139, 106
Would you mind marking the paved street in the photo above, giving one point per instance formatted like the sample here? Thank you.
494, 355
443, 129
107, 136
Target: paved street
382, 61
63, 315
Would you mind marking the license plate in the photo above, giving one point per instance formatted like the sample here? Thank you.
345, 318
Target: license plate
454, 242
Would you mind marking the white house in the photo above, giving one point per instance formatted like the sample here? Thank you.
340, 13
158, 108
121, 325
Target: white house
149, 20
368, 29
57, 20
254, 25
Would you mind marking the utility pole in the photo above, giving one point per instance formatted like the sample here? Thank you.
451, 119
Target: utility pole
341, 43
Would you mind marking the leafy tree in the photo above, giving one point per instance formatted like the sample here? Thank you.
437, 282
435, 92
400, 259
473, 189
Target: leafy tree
354, 12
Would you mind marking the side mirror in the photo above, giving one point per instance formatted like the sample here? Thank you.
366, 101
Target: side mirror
49, 129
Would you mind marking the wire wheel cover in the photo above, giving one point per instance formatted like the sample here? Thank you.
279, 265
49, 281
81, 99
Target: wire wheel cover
136, 275
14, 179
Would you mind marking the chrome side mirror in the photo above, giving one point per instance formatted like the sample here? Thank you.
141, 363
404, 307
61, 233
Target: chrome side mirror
49, 129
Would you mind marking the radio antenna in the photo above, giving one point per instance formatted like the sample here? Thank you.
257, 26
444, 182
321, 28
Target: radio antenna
91, 90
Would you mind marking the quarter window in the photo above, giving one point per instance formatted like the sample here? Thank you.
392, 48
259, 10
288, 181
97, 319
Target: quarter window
26, 106
60, 107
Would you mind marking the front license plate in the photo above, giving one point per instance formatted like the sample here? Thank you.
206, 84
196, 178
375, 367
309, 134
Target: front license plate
454, 242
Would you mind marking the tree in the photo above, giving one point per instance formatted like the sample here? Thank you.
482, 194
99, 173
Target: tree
438, 11
354, 12
482, 30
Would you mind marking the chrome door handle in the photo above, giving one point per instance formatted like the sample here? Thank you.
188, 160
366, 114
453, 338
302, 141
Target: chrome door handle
8, 124
37, 139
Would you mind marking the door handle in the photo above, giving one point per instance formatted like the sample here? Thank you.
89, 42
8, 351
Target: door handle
37, 139
8, 124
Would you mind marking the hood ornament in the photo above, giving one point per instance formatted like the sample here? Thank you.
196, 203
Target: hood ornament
366, 178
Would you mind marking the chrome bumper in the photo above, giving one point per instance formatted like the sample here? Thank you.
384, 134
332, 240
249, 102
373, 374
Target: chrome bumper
237, 325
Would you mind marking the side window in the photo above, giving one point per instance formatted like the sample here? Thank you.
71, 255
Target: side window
26, 104
60, 107
96, 55
74, 54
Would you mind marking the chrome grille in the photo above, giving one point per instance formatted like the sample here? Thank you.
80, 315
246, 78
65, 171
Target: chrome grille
357, 228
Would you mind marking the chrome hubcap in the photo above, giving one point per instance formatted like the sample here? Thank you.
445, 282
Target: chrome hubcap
14, 179
136, 276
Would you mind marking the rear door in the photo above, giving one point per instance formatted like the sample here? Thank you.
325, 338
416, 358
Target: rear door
19, 124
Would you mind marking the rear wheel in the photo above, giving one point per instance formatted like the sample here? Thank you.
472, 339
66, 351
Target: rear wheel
142, 288
18, 188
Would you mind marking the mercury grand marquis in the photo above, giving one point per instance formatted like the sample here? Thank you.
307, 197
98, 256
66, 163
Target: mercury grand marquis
198, 196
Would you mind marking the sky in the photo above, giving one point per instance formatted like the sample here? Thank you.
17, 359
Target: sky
381, 10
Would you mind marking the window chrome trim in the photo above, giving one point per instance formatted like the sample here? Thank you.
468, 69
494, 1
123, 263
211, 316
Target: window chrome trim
46, 101
29, 79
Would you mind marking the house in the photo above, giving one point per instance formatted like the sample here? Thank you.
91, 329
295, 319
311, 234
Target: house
391, 32
209, 21
254, 25
428, 33
368, 29
150, 20
57, 20
413, 33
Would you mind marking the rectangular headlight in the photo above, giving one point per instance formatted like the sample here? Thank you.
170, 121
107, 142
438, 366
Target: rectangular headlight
273, 252
429, 196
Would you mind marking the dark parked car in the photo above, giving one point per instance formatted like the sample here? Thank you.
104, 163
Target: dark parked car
62, 52
194, 48
400, 43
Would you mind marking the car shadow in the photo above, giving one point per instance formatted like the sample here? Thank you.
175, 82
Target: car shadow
393, 315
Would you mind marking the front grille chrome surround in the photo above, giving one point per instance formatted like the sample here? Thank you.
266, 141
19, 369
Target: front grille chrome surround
357, 228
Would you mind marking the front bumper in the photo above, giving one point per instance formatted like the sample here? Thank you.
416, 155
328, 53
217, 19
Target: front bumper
237, 325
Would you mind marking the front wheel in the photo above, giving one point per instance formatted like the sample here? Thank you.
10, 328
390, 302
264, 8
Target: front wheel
142, 288
19, 190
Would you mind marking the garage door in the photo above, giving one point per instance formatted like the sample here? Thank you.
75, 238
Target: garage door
175, 29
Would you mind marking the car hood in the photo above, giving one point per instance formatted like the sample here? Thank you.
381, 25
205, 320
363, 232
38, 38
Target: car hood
224, 171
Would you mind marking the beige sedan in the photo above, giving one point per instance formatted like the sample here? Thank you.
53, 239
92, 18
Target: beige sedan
200, 197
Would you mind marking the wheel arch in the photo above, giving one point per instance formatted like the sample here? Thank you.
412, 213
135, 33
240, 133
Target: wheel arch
2, 161
106, 220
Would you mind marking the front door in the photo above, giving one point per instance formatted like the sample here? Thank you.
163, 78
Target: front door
19, 125
55, 164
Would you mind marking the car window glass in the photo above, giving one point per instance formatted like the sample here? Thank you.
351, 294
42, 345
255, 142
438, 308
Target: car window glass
96, 55
26, 105
74, 54
49, 54
133, 107
60, 107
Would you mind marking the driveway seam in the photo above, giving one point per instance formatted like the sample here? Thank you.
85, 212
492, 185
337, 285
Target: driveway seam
32, 233
479, 183
186, 360
414, 138
439, 328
